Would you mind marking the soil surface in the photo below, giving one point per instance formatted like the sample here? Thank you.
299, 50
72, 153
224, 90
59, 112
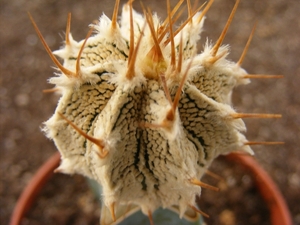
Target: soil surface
25, 68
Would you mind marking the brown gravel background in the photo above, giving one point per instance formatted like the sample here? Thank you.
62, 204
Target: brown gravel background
25, 67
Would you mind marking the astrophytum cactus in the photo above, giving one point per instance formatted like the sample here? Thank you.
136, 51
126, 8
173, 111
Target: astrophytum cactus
142, 113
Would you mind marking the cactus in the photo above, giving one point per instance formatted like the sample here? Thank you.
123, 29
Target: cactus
142, 113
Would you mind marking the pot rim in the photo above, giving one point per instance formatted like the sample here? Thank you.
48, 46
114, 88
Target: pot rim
279, 211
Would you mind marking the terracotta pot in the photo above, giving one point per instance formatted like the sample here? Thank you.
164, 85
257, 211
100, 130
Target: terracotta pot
36, 183
278, 209
279, 212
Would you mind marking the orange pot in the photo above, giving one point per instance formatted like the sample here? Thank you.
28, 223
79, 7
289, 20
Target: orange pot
279, 212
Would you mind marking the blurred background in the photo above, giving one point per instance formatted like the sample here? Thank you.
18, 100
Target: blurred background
25, 68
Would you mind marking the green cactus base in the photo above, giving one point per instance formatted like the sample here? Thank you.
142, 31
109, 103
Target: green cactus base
160, 216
